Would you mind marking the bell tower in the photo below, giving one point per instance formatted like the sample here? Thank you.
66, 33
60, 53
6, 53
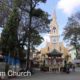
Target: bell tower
54, 33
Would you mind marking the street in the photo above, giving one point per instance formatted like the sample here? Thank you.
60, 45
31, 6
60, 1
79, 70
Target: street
52, 76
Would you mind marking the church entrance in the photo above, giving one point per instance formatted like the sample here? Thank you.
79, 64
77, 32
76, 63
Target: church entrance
54, 61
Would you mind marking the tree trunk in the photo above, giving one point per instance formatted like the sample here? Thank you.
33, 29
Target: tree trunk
29, 36
76, 53
28, 54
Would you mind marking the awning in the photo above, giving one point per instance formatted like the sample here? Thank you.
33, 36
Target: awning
54, 53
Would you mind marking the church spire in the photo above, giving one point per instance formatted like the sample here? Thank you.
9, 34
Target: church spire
53, 25
54, 21
54, 14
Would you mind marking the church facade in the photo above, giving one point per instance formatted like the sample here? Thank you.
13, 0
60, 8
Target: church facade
53, 55
54, 42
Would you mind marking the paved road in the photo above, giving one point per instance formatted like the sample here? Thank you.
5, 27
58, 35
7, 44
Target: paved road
52, 76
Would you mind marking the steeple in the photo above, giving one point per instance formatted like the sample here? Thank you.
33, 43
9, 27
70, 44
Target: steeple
53, 25
54, 16
54, 32
53, 19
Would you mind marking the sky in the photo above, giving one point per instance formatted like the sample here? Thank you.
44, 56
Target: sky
64, 9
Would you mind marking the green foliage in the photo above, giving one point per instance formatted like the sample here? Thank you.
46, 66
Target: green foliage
17, 3
4, 12
72, 31
9, 38
37, 13
36, 21
41, 1
36, 39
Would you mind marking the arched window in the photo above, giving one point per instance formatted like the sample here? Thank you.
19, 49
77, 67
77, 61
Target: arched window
60, 49
54, 29
48, 48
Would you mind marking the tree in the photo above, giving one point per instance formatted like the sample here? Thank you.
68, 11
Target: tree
3, 12
72, 31
33, 20
36, 20
9, 38
6, 7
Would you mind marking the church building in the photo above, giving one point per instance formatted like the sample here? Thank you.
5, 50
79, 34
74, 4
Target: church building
54, 53
54, 39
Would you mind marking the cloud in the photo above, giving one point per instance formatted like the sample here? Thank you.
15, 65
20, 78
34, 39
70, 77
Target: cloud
68, 6
46, 38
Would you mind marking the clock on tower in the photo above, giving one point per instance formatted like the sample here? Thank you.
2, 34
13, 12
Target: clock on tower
54, 39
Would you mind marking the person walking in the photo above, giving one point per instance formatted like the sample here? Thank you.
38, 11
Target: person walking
73, 68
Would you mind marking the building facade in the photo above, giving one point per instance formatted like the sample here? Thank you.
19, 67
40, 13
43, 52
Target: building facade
54, 53
54, 39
